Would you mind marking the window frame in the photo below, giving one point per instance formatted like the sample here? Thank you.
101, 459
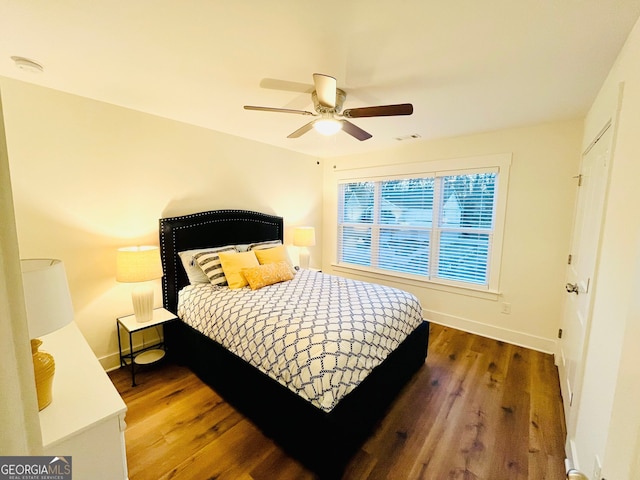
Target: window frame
499, 163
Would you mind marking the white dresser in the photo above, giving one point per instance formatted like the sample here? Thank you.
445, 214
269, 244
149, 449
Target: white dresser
85, 420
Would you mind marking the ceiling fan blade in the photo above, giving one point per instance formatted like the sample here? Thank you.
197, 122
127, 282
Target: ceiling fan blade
355, 131
302, 130
326, 87
379, 111
278, 110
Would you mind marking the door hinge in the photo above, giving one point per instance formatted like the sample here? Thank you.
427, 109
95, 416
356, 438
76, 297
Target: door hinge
569, 259
559, 333
579, 177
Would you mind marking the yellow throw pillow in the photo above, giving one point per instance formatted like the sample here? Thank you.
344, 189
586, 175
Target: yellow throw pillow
274, 255
232, 265
267, 274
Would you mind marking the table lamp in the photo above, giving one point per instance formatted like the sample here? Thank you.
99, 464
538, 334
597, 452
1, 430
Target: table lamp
304, 237
49, 308
139, 265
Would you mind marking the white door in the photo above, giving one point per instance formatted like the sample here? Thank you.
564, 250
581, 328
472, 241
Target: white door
580, 273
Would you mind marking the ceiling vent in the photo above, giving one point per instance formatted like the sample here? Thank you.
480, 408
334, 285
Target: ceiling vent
27, 65
413, 136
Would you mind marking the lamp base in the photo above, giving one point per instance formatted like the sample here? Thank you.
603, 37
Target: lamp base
304, 256
44, 369
142, 298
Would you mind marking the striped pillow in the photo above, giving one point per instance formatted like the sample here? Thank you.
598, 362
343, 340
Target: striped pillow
209, 262
191, 267
261, 245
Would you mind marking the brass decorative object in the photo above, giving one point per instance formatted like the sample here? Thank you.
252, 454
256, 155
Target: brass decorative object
44, 369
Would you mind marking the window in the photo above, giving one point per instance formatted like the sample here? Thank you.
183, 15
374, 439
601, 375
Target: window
438, 226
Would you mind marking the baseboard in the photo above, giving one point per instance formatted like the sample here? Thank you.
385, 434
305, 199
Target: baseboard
112, 361
533, 342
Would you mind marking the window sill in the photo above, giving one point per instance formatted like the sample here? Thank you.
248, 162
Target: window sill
469, 291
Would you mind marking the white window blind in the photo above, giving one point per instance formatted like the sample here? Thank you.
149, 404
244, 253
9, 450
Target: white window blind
436, 226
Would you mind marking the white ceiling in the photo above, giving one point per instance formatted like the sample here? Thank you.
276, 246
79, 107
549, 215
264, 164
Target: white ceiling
466, 65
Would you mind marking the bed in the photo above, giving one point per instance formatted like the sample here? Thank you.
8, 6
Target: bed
321, 432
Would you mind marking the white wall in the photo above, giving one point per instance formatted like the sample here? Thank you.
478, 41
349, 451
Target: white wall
608, 424
537, 229
89, 177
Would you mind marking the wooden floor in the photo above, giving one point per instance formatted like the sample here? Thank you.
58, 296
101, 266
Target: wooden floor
478, 410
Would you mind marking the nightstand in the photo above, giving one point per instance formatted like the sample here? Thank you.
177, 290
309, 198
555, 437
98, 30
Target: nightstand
147, 354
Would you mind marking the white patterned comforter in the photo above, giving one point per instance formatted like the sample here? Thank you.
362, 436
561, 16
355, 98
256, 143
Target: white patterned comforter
318, 335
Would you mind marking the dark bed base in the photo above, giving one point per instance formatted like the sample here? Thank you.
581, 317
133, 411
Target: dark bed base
324, 442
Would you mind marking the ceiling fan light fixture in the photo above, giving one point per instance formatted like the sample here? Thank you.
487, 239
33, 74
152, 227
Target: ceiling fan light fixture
327, 126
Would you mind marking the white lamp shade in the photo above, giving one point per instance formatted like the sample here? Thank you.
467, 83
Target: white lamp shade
46, 294
138, 264
304, 236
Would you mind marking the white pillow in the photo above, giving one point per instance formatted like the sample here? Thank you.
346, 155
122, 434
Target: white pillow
191, 267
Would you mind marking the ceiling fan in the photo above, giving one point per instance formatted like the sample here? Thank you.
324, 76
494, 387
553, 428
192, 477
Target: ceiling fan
328, 100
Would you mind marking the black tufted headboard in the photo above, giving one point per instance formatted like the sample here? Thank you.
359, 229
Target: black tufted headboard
208, 229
